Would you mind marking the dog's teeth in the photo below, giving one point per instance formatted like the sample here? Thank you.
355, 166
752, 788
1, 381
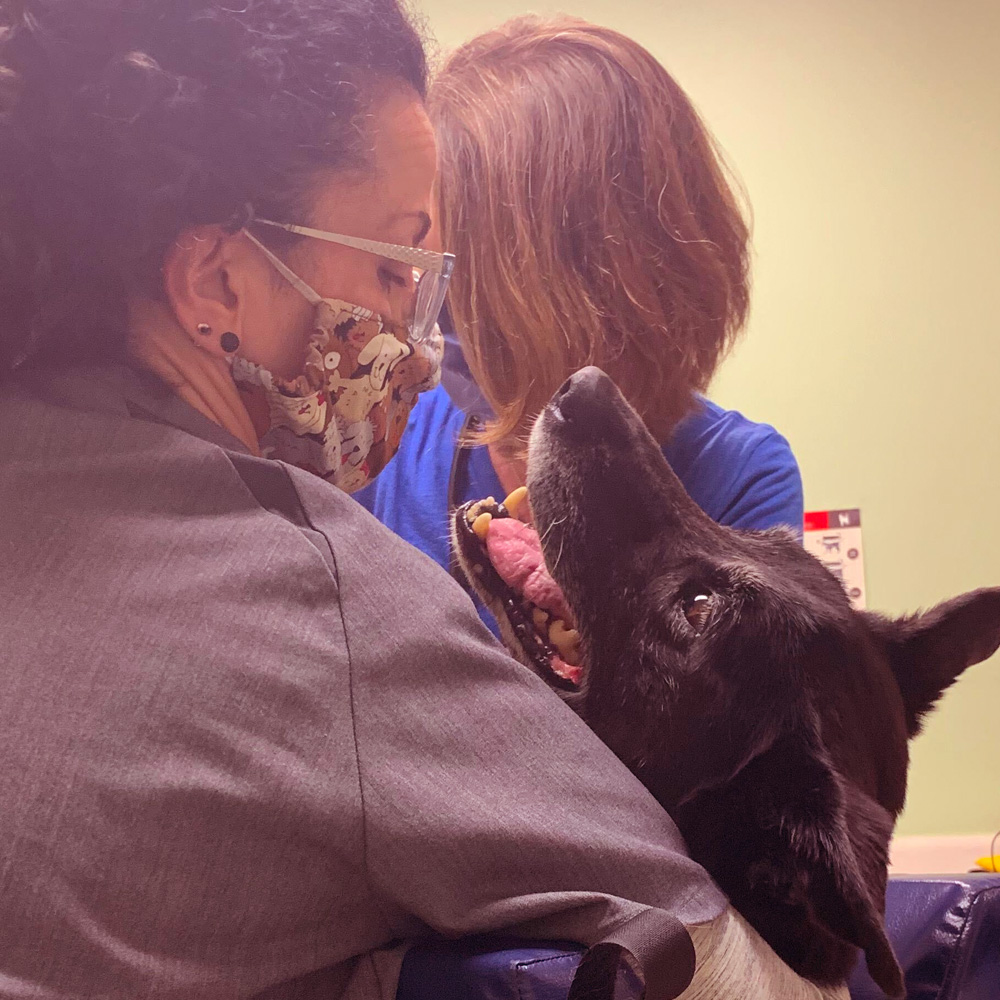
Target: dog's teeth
540, 618
566, 640
559, 631
514, 500
571, 655
481, 525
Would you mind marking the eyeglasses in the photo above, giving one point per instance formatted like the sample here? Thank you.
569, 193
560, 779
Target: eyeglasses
431, 272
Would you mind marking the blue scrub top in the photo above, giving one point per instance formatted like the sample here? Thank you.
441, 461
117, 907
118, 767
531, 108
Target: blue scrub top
741, 473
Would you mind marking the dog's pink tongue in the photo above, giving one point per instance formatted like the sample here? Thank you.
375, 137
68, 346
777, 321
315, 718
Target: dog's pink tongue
516, 554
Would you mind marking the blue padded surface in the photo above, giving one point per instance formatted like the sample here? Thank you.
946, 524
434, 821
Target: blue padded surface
945, 930
488, 969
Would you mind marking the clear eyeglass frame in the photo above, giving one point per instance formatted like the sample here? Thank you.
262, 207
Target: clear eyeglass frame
431, 271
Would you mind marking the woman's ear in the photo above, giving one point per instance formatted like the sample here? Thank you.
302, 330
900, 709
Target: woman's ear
204, 281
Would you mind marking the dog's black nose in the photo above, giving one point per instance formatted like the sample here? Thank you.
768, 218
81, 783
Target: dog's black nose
583, 398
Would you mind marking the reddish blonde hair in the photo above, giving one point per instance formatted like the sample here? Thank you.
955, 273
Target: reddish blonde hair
592, 218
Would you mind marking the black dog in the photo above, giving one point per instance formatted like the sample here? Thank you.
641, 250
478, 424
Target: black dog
728, 670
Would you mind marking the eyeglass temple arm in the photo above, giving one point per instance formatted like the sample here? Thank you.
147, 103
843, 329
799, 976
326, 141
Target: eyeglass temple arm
428, 260
311, 295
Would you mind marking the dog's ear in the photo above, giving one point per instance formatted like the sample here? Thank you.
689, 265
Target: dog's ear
928, 651
839, 841
849, 881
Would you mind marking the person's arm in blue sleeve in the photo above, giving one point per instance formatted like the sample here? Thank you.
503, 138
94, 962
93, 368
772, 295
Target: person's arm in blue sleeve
770, 491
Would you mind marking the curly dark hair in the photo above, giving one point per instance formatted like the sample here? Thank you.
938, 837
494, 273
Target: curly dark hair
122, 122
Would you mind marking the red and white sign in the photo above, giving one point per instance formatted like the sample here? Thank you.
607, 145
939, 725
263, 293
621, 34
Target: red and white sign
834, 538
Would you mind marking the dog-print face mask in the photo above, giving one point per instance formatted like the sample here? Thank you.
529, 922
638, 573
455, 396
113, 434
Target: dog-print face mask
343, 417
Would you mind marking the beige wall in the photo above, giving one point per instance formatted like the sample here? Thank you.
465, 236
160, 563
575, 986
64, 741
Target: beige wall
867, 133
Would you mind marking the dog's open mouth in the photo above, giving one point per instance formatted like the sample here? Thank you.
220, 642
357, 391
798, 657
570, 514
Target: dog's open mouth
502, 557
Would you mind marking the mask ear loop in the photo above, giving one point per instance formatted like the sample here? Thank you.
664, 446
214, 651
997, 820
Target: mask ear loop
311, 295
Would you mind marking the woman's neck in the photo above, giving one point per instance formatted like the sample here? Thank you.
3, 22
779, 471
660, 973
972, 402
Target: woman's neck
202, 380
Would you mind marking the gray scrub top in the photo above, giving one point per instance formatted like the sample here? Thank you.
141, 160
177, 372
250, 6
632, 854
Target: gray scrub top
251, 742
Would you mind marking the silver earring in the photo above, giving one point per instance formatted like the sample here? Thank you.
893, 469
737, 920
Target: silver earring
204, 329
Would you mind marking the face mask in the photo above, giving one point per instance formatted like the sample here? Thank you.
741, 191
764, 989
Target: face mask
342, 418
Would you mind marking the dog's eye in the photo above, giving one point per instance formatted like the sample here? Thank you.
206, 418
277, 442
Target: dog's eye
697, 610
